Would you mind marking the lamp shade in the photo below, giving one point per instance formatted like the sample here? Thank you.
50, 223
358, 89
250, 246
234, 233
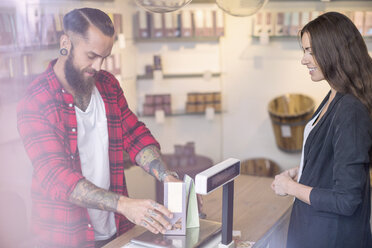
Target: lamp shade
241, 7
162, 6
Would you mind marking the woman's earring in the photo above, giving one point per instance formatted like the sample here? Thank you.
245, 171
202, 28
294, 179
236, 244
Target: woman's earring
63, 51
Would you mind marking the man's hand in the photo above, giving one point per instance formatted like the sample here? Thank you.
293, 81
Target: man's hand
172, 179
146, 213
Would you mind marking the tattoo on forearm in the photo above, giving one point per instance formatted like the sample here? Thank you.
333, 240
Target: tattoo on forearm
150, 160
86, 194
157, 169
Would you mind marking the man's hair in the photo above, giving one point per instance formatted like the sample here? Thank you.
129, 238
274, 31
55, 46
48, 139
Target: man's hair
79, 20
342, 55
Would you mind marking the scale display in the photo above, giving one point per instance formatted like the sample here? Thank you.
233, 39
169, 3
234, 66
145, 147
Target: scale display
223, 177
216, 176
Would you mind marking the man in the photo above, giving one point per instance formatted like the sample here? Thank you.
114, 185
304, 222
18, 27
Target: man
75, 123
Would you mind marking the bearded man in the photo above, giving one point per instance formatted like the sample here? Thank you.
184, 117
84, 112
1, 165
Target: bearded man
75, 124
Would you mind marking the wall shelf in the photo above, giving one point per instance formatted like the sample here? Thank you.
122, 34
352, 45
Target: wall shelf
177, 114
168, 76
11, 49
287, 38
179, 39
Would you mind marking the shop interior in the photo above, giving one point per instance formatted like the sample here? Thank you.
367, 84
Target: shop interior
209, 91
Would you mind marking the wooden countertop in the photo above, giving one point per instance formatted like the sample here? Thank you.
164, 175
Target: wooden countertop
257, 210
194, 237
256, 207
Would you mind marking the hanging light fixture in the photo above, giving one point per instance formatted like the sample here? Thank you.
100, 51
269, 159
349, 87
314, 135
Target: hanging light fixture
162, 6
241, 7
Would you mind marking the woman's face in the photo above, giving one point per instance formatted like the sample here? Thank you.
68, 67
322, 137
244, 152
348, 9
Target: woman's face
309, 60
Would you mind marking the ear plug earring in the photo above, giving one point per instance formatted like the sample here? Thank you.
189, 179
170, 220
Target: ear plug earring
63, 51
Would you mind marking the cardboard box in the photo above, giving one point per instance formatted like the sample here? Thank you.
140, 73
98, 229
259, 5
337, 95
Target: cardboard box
359, 21
220, 26
368, 24
279, 24
157, 25
186, 24
143, 20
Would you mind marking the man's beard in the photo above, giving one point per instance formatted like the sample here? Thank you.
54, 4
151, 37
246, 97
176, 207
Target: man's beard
82, 87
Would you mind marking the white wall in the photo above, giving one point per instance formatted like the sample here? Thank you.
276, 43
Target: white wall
183, 58
252, 75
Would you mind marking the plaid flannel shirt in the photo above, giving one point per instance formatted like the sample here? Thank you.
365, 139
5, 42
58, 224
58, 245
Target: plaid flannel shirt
48, 127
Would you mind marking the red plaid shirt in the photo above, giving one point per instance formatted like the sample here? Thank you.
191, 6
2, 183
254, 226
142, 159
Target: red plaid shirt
48, 127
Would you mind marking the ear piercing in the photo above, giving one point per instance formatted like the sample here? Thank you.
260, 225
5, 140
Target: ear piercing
63, 51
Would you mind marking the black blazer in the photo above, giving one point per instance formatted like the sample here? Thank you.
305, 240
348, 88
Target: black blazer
336, 165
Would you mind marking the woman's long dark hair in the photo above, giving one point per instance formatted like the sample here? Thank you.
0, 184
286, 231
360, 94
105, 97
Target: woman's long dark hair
342, 55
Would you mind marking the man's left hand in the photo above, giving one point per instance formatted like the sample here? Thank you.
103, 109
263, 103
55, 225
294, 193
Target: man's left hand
172, 179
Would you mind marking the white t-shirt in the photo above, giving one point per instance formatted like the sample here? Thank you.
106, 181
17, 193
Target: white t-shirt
93, 149
308, 128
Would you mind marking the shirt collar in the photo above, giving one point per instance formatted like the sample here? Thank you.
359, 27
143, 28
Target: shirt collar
54, 84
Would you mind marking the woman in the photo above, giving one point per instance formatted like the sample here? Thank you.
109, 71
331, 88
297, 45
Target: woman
332, 186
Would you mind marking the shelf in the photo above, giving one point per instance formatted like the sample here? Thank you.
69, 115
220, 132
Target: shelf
11, 49
180, 114
167, 76
179, 39
203, 1
18, 79
316, 1
278, 37
291, 38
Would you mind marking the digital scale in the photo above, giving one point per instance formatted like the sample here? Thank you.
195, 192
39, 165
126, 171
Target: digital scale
222, 174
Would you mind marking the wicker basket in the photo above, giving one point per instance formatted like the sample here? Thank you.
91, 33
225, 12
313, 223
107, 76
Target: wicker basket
289, 114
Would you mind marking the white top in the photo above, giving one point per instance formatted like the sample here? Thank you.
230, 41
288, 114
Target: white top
93, 149
308, 128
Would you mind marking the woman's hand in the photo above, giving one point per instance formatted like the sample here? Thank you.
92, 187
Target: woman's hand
293, 173
281, 183
286, 184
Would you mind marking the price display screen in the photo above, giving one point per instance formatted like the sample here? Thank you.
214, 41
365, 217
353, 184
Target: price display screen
223, 176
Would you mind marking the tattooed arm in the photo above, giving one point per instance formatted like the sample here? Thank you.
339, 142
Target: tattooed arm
150, 160
146, 213
88, 195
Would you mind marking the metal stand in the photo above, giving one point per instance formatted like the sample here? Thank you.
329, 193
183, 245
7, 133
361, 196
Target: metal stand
227, 215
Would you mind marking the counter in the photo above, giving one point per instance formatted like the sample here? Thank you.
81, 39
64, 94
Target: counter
260, 215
